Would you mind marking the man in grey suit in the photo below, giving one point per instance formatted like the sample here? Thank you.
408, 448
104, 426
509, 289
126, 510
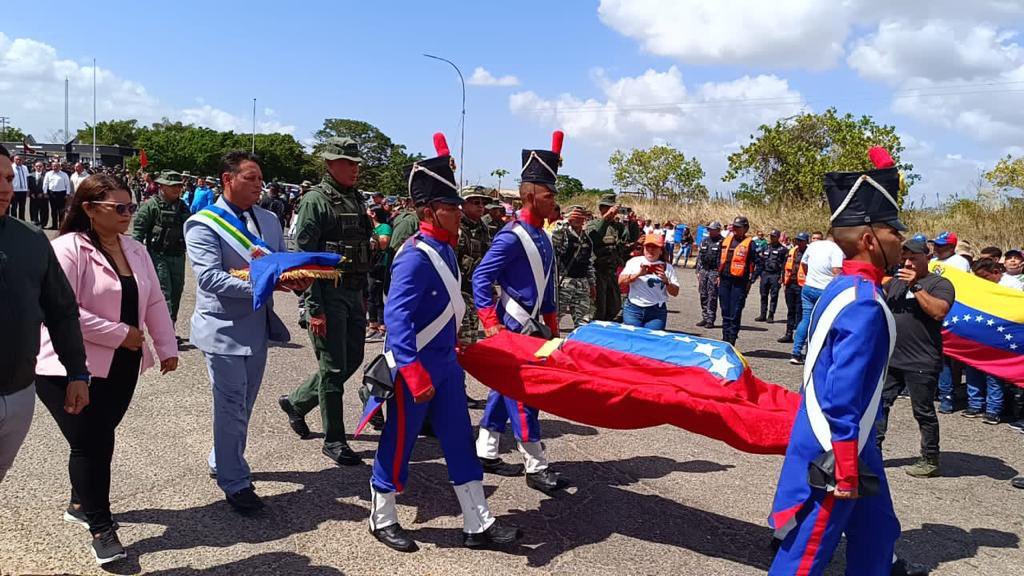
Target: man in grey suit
232, 336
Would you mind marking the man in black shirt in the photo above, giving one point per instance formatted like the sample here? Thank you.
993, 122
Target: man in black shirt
918, 301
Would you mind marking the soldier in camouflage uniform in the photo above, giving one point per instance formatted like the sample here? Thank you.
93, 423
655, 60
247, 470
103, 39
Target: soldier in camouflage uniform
494, 219
403, 225
160, 225
612, 240
474, 240
332, 218
708, 260
575, 255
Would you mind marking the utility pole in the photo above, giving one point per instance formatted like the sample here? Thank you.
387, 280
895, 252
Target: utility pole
3, 124
93, 163
66, 138
253, 125
462, 135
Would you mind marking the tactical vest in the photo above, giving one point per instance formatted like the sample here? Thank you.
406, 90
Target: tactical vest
168, 235
793, 260
578, 251
738, 266
349, 235
474, 240
608, 250
772, 258
709, 254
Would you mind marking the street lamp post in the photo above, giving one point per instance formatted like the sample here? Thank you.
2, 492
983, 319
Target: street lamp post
462, 128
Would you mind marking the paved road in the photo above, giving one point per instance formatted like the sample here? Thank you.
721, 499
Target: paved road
659, 501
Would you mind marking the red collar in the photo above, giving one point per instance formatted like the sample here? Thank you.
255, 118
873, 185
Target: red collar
439, 234
865, 269
530, 218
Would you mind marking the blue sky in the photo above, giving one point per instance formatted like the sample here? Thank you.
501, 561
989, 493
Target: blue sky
613, 74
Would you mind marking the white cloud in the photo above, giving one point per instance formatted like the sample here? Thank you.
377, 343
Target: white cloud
32, 95
481, 77
782, 33
658, 107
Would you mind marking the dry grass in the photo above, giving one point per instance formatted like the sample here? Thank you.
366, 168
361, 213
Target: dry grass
1003, 227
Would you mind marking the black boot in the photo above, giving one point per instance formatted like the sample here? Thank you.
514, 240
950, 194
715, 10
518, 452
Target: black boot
497, 535
701, 324
787, 339
341, 453
545, 481
295, 420
474, 404
903, 568
771, 318
759, 318
501, 468
396, 538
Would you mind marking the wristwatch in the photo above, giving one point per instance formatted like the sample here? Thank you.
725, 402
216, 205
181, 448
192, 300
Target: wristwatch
915, 288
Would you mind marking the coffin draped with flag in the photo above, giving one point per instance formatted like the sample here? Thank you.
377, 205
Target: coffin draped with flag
623, 377
985, 326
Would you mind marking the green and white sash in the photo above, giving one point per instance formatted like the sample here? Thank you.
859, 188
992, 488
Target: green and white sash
232, 231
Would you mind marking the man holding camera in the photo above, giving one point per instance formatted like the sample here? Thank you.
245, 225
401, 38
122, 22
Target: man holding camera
919, 302
612, 239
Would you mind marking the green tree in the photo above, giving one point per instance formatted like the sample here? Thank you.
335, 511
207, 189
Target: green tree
786, 162
384, 161
568, 186
13, 134
111, 132
281, 156
499, 173
661, 172
1008, 173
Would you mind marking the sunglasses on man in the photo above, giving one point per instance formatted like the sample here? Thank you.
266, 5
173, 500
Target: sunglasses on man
119, 207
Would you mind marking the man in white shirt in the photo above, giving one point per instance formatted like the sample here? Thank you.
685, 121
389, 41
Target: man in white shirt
57, 187
79, 175
20, 184
1014, 262
945, 252
824, 260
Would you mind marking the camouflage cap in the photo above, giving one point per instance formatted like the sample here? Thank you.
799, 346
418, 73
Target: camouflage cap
337, 148
607, 200
170, 178
475, 192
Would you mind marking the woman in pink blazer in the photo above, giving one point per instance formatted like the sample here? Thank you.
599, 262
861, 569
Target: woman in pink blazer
119, 300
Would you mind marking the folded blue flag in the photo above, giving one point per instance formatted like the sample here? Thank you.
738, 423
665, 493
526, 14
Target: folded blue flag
264, 272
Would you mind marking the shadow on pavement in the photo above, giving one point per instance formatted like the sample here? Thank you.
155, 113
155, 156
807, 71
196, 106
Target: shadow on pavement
268, 563
769, 354
934, 544
294, 512
567, 521
961, 465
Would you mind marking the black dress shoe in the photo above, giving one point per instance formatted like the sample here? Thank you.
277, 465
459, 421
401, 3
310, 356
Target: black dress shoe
701, 324
396, 538
1017, 482
787, 339
497, 535
545, 481
759, 319
501, 468
903, 568
295, 420
475, 404
341, 453
245, 501
770, 320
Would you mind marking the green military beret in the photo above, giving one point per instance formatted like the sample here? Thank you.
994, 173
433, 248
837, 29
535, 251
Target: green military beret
336, 148
170, 178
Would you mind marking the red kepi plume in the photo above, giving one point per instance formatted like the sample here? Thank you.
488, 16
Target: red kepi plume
880, 157
441, 145
556, 141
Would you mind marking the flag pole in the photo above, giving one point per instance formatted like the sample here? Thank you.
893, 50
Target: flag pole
94, 113
253, 125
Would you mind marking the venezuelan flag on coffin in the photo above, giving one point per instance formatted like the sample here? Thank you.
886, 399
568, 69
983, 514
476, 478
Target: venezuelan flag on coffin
616, 376
985, 326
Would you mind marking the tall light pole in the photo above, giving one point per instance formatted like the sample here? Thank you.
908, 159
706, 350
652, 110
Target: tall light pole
253, 125
94, 113
462, 128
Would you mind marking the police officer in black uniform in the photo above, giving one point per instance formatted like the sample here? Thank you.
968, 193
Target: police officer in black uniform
708, 255
771, 259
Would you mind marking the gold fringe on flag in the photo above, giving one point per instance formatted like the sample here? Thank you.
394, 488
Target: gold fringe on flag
296, 274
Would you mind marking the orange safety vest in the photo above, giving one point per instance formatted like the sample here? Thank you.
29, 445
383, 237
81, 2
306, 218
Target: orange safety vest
801, 272
739, 256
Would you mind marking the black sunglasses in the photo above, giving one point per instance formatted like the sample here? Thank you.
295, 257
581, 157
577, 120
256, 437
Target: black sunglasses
120, 208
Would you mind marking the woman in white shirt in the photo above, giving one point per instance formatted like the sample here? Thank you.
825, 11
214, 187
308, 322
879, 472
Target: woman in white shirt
651, 281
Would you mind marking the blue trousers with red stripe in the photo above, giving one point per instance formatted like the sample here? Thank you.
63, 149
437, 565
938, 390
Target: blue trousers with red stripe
871, 530
449, 418
502, 409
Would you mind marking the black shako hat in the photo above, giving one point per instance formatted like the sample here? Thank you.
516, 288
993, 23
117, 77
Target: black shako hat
863, 198
541, 166
433, 179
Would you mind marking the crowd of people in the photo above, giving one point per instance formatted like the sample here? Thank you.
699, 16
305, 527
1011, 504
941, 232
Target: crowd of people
103, 294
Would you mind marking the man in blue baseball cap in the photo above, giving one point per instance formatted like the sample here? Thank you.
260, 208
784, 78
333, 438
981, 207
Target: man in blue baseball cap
945, 252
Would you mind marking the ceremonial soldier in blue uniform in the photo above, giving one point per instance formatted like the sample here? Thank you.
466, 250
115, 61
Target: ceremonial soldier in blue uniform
521, 262
832, 480
423, 314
